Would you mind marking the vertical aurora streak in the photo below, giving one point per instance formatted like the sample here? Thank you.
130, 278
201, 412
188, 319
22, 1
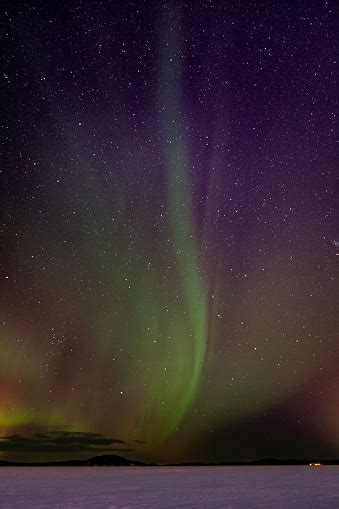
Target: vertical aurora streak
177, 162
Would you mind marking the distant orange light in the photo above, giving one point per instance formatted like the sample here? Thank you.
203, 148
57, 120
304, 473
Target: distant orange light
315, 464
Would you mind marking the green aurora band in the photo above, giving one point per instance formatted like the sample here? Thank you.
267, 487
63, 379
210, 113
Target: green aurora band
189, 329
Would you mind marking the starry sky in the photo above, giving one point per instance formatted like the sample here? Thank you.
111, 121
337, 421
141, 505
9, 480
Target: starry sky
169, 230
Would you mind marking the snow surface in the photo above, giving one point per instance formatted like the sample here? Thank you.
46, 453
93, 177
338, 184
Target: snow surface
169, 487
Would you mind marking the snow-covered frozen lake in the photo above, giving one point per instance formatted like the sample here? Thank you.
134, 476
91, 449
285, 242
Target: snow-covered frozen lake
170, 487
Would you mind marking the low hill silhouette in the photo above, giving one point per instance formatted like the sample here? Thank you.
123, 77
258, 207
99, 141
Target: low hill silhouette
105, 460
109, 460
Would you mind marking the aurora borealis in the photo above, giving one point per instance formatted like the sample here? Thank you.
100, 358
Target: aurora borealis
169, 230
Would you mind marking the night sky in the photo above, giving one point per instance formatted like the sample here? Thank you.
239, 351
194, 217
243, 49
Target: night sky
169, 230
